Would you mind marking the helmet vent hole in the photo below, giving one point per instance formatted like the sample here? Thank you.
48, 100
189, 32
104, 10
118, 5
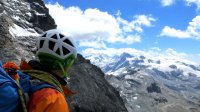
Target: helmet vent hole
54, 37
61, 36
58, 51
51, 45
41, 43
68, 42
65, 51
44, 35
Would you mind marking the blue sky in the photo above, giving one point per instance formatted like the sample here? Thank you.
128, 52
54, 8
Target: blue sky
138, 24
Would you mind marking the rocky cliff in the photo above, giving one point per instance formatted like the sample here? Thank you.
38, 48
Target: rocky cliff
20, 23
95, 94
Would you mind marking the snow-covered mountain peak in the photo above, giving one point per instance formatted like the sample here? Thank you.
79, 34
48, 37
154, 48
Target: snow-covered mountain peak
173, 80
120, 63
125, 55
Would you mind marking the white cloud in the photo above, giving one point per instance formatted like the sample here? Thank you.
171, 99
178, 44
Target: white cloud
156, 49
153, 52
171, 32
194, 27
188, 3
167, 2
93, 44
109, 51
172, 52
196, 2
136, 24
128, 40
132, 39
192, 31
93, 24
192, 58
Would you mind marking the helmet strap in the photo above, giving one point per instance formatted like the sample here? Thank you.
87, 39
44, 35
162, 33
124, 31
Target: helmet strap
63, 70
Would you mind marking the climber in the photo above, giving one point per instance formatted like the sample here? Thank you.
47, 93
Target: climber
56, 53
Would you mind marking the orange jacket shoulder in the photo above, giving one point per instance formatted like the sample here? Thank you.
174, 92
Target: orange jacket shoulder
48, 100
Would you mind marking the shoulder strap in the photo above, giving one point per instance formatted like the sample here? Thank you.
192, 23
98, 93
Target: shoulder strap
38, 86
46, 78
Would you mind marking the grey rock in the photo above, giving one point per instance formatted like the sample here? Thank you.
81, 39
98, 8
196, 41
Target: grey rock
142, 57
23, 14
173, 66
95, 94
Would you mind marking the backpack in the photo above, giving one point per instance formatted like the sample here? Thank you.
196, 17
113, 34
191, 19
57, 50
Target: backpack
30, 81
38, 80
34, 80
9, 98
11, 92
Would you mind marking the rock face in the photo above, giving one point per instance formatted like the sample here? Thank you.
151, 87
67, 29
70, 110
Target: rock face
95, 94
167, 95
21, 21
40, 15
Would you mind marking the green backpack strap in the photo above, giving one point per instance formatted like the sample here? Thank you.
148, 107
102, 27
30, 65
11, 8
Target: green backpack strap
22, 100
44, 77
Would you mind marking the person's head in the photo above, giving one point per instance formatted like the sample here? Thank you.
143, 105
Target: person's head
56, 51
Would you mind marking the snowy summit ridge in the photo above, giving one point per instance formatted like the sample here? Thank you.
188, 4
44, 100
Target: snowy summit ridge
174, 80
164, 62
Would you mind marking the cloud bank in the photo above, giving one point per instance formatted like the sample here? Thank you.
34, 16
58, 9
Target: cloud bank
195, 2
192, 31
166, 3
95, 28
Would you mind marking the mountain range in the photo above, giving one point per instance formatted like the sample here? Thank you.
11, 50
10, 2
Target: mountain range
153, 83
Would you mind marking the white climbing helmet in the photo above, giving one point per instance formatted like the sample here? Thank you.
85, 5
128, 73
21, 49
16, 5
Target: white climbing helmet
56, 44
56, 51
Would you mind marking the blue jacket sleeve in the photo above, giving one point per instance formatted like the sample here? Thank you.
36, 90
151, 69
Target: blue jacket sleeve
8, 93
